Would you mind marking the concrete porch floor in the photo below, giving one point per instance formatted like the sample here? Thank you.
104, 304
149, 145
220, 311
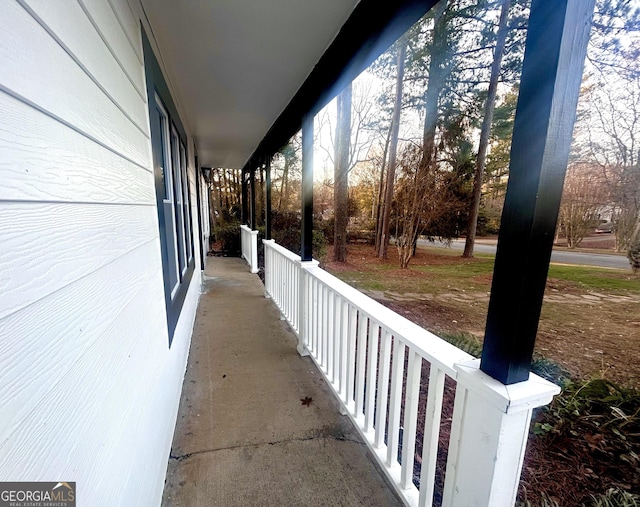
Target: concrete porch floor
243, 436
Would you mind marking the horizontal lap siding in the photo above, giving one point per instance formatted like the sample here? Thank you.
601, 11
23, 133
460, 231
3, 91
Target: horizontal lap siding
40, 72
129, 24
75, 33
69, 241
41, 160
107, 24
89, 386
73, 329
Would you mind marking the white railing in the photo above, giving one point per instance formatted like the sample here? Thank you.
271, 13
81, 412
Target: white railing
249, 247
381, 365
367, 353
282, 280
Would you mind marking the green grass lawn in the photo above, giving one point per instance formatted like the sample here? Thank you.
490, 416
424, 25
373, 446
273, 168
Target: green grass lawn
592, 278
474, 274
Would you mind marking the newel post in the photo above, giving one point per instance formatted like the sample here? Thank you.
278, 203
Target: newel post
253, 262
304, 305
268, 267
489, 433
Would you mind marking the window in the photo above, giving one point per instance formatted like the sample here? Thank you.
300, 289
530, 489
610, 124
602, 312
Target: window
165, 171
178, 208
168, 140
186, 200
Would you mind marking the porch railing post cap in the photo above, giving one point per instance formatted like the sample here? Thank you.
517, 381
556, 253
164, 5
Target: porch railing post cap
529, 394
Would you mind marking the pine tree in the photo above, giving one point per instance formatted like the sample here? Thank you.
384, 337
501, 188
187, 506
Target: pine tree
485, 131
341, 172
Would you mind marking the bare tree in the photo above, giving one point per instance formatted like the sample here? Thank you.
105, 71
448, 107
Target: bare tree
363, 134
612, 113
425, 196
583, 197
608, 127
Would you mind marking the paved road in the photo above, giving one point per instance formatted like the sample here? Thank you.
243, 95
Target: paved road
559, 256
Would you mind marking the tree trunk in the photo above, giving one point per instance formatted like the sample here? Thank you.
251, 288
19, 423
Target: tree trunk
341, 174
489, 107
212, 211
381, 191
438, 71
237, 188
223, 188
393, 153
284, 186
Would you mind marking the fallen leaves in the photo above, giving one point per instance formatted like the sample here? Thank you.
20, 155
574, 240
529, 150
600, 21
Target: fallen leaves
306, 401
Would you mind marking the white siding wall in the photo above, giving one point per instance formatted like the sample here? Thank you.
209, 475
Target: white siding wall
89, 389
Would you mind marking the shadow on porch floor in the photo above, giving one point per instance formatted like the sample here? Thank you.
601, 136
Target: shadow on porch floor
243, 436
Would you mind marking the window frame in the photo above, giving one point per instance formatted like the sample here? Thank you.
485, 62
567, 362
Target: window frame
169, 194
171, 184
178, 208
186, 200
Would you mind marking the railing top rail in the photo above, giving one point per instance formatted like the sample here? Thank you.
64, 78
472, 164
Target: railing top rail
280, 249
245, 228
431, 347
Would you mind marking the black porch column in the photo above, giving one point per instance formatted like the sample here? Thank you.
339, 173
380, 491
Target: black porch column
551, 77
252, 183
245, 204
307, 188
267, 211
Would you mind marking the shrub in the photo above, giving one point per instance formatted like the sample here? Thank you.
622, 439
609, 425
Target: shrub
464, 341
361, 236
326, 227
319, 244
633, 254
286, 230
488, 221
616, 498
613, 409
229, 237
541, 366
544, 501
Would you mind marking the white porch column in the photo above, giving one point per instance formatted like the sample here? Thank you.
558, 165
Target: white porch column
304, 306
489, 435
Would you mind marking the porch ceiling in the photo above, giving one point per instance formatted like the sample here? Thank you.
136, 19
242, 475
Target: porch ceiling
234, 65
